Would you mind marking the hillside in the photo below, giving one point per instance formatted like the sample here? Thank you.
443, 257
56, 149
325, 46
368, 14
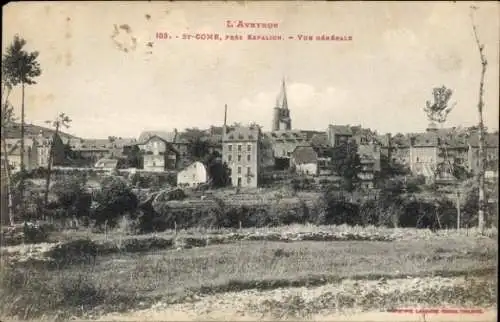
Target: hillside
32, 130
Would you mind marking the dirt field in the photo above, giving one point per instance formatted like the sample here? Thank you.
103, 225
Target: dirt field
248, 280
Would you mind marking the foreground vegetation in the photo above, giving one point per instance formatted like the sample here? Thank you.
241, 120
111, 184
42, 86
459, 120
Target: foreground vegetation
117, 281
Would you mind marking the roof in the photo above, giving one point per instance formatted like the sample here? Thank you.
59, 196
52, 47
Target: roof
106, 163
340, 129
168, 144
241, 133
291, 135
193, 165
304, 154
214, 139
167, 136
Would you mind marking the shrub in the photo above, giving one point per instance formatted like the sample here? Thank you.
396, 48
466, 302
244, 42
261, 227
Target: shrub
72, 197
114, 199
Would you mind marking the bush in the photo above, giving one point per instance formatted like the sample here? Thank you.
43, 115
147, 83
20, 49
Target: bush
72, 198
114, 199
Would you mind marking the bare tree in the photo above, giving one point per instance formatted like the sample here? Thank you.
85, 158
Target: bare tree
480, 105
62, 120
20, 67
438, 111
7, 121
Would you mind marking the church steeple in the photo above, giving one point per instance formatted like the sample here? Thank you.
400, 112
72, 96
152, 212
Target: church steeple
281, 116
281, 100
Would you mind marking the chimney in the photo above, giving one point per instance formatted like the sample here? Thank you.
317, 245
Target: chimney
225, 120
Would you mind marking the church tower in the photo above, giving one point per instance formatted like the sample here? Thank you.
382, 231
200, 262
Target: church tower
281, 113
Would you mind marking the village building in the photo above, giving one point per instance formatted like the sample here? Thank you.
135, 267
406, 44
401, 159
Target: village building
491, 151
241, 152
284, 143
319, 142
304, 160
47, 144
13, 148
339, 134
158, 154
88, 151
369, 156
193, 175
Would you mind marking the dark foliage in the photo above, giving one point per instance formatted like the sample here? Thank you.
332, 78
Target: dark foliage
114, 200
347, 164
218, 171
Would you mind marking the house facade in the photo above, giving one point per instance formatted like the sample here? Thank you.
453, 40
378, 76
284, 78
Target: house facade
159, 155
13, 148
339, 134
491, 150
241, 152
193, 175
304, 160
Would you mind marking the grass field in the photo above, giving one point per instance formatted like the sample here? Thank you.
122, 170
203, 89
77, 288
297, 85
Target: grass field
129, 281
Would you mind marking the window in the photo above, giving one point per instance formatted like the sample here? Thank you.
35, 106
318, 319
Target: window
239, 158
229, 157
249, 147
230, 147
249, 170
249, 157
239, 147
239, 170
249, 180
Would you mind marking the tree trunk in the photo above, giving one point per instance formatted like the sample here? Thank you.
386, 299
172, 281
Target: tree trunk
22, 166
8, 184
49, 169
482, 156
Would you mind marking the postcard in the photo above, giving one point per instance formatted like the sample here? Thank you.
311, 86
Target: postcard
249, 160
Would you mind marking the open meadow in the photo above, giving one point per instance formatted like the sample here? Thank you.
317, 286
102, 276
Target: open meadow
294, 272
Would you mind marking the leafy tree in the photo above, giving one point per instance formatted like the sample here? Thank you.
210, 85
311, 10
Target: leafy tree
218, 171
134, 158
72, 197
347, 164
20, 67
198, 146
62, 120
439, 109
114, 199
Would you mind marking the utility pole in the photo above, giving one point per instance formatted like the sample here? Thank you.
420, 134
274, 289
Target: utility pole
458, 209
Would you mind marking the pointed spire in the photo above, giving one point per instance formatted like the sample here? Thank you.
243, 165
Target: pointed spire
285, 102
281, 100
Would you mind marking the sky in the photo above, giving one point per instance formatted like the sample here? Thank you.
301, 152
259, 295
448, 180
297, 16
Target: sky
380, 79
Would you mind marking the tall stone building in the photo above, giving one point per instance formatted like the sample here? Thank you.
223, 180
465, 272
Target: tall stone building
281, 115
241, 152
